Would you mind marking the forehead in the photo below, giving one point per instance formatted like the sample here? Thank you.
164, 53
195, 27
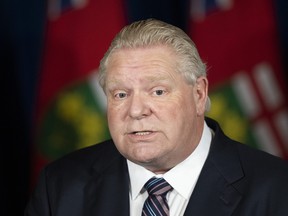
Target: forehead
150, 61
150, 52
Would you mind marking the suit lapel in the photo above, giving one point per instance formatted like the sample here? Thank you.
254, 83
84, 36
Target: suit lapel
213, 195
107, 192
218, 189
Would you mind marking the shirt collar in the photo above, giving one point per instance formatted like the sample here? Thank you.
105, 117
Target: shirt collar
136, 182
179, 177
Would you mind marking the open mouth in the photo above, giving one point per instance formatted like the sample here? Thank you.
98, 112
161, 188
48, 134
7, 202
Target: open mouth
141, 133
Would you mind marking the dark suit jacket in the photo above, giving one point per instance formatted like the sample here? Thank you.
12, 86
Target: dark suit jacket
235, 180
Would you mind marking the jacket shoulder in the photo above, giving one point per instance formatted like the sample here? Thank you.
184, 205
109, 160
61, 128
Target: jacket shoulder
253, 162
81, 161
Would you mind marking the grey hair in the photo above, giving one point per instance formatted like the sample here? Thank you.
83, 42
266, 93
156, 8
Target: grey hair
152, 32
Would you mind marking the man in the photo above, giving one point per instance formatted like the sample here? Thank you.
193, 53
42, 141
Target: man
157, 95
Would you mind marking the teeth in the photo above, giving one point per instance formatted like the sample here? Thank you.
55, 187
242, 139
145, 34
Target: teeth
142, 133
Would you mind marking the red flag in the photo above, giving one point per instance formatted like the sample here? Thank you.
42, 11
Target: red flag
69, 112
238, 40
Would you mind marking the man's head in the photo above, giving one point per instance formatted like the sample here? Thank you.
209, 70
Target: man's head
156, 90
151, 32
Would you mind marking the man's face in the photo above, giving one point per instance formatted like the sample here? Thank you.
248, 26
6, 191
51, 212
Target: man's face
155, 117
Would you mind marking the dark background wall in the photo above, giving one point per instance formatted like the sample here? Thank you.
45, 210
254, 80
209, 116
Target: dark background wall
22, 24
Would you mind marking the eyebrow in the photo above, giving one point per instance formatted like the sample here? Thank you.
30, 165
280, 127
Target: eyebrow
158, 78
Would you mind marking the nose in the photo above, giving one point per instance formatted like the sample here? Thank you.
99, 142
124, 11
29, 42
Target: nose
139, 107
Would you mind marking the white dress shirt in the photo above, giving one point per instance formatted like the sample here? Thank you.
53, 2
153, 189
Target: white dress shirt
182, 178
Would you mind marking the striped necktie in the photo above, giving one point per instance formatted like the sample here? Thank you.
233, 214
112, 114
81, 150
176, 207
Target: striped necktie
156, 203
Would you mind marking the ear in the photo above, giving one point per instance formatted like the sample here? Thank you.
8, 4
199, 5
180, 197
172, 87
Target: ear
201, 95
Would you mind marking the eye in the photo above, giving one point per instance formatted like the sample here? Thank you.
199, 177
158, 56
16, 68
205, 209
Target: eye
120, 95
159, 92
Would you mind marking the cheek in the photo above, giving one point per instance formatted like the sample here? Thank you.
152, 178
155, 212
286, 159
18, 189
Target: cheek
172, 116
182, 113
114, 119
115, 110
181, 106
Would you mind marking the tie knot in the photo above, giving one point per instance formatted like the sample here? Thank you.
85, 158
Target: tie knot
157, 186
